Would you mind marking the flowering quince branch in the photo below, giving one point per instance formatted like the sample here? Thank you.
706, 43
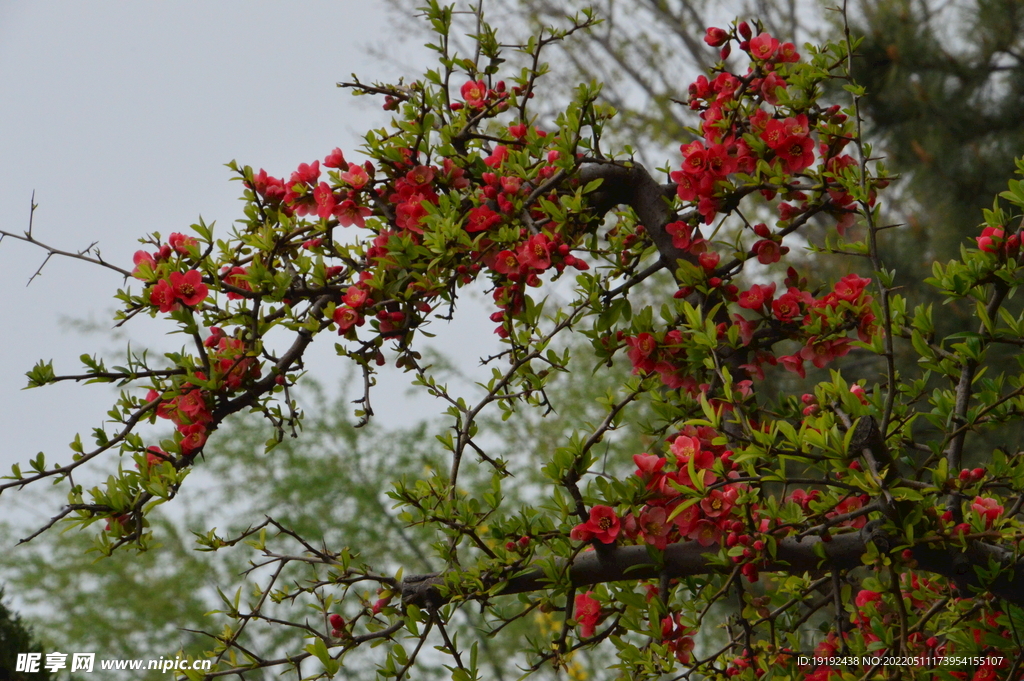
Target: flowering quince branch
775, 468
86, 254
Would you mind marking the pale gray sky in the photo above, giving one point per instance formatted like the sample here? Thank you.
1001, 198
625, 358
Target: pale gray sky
120, 116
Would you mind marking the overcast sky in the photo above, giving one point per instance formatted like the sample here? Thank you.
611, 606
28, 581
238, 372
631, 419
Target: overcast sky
121, 116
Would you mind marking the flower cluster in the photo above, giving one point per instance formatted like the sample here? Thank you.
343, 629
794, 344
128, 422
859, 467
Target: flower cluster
230, 359
687, 496
189, 410
994, 240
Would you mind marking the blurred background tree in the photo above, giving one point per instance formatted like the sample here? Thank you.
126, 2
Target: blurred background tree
16, 637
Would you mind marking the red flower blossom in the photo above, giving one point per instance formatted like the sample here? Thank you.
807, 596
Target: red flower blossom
794, 363
763, 47
850, 287
192, 404
716, 37
306, 174
787, 306
718, 503
505, 262
236, 277
351, 213
473, 93
356, 176
162, 295
345, 317
536, 252
680, 233
864, 597
420, 175
640, 349
156, 456
706, 533
797, 153
325, 200
757, 296
603, 526
143, 261
189, 287
768, 251
181, 243
497, 157
654, 527
335, 159
991, 239
193, 437
410, 214
355, 297
588, 613
481, 219
987, 508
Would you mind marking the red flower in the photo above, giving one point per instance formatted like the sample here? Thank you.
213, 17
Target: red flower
716, 37
603, 526
420, 175
654, 527
588, 612
505, 262
770, 86
794, 363
788, 304
864, 597
356, 176
308, 173
143, 260
189, 287
481, 219
193, 437
325, 201
536, 252
796, 153
695, 159
335, 159
706, 533
162, 296
648, 465
991, 239
356, 297
473, 93
192, 404
757, 296
850, 287
181, 243
497, 157
680, 233
687, 187
709, 260
768, 251
346, 318
351, 213
236, 277
156, 456
821, 353
640, 350
718, 503
763, 47
988, 508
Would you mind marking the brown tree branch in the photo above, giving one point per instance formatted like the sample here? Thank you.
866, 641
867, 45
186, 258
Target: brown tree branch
687, 559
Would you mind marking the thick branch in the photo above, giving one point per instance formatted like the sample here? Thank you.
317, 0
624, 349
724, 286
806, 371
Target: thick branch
634, 186
686, 559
